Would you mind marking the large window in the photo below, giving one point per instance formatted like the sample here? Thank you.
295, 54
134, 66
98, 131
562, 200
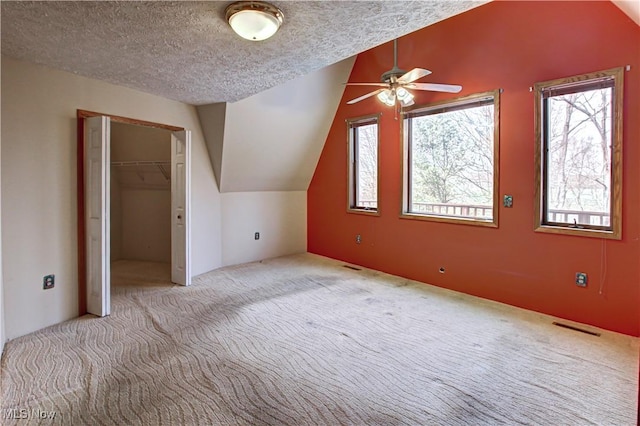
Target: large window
363, 164
578, 155
451, 160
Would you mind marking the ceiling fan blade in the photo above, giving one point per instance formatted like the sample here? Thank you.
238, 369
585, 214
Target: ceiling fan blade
368, 84
450, 88
368, 95
413, 75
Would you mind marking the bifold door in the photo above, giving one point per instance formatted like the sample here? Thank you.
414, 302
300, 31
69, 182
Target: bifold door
97, 209
181, 207
97, 194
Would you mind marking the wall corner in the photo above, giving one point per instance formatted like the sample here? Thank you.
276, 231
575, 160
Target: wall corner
212, 121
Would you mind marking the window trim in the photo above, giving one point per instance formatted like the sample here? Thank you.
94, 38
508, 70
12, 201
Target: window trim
562, 84
352, 124
452, 104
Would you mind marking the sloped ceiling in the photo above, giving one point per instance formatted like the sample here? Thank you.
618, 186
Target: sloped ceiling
186, 51
630, 7
272, 141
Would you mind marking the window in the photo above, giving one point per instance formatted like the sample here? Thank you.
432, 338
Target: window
579, 155
363, 164
451, 161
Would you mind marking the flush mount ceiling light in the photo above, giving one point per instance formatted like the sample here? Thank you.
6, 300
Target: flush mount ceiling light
254, 20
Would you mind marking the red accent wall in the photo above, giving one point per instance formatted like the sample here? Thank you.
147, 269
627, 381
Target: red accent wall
509, 45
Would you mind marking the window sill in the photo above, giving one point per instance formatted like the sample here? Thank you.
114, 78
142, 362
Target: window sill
578, 232
450, 219
366, 212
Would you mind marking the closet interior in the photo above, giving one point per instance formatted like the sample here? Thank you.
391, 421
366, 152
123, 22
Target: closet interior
140, 204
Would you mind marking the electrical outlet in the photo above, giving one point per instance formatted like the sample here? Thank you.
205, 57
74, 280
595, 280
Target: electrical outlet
358, 239
49, 281
581, 279
256, 236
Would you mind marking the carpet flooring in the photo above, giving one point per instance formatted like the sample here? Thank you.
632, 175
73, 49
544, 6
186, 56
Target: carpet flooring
302, 340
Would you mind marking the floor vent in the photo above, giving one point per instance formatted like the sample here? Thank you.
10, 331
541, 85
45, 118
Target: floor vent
581, 330
352, 267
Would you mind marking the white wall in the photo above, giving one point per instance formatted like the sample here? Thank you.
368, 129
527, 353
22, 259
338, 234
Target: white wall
265, 149
212, 119
2, 331
131, 142
280, 217
39, 185
146, 224
115, 216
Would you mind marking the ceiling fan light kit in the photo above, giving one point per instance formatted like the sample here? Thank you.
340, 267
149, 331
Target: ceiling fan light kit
397, 81
387, 97
404, 97
254, 20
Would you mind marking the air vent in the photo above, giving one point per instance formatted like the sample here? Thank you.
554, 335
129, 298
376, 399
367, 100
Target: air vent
352, 267
581, 330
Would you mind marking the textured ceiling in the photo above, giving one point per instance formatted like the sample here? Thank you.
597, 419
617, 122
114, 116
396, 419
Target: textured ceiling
186, 51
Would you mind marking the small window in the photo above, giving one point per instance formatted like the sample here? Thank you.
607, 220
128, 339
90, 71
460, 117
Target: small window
363, 164
579, 155
451, 161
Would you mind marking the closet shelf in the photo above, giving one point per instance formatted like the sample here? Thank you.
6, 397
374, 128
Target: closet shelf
163, 166
140, 163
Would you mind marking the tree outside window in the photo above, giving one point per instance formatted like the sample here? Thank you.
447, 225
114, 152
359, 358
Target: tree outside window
578, 154
363, 164
451, 160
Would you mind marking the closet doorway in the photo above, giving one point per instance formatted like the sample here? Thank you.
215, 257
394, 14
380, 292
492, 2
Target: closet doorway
133, 201
140, 210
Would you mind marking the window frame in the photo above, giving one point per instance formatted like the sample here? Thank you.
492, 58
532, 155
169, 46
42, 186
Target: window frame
584, 82
352, 167
451, 104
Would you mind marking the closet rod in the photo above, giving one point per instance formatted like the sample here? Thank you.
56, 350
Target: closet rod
160, 164
141, 163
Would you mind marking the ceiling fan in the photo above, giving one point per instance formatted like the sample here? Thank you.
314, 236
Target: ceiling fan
395, 83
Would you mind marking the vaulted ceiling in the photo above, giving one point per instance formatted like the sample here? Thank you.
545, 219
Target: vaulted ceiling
186, 51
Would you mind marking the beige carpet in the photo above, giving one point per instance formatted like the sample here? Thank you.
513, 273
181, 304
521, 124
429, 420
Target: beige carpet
302, 340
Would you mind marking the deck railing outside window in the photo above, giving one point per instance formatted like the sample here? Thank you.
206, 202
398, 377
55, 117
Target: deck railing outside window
480, 212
